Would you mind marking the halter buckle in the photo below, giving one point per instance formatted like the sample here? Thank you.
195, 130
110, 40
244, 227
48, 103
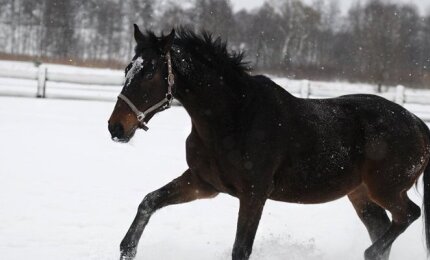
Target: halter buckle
140, 117
169, 97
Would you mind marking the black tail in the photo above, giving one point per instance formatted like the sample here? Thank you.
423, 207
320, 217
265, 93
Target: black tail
426, 203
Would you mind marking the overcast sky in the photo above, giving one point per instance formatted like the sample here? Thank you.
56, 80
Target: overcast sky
423, 5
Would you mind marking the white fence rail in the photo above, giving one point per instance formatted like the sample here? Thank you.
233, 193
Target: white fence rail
44, 82
50, 83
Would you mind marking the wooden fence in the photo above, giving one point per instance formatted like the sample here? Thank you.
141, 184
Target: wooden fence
47, 83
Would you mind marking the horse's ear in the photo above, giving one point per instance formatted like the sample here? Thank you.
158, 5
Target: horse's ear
138, 36
167, 41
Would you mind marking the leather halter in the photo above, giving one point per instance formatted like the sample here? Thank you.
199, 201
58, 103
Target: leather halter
163, 104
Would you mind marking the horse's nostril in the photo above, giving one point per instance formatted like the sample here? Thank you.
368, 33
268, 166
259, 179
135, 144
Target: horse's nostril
116, 130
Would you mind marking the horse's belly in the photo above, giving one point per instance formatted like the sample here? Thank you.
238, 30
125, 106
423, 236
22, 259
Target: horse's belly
314, 188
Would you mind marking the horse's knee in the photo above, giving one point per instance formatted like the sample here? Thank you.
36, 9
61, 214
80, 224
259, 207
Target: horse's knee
148, 204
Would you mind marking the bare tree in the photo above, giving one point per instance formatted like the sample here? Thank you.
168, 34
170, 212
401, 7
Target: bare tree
215, 16
376, 42
58, 35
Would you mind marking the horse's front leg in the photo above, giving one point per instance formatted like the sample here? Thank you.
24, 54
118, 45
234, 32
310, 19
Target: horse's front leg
187, 187
249, 217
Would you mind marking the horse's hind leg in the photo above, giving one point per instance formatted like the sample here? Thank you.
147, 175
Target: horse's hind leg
183, 189
403, 211
371, 214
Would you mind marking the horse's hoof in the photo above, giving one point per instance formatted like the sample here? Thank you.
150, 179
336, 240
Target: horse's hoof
128, 254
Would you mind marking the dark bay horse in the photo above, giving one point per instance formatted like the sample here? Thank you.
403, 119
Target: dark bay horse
253, 140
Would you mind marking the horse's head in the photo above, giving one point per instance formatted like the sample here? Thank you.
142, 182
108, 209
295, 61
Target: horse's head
148, 85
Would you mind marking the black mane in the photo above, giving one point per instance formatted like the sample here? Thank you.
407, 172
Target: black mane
210, 51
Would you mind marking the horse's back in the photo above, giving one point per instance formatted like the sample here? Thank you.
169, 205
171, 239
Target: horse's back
333, 145
369, 112
365, 115
379, 116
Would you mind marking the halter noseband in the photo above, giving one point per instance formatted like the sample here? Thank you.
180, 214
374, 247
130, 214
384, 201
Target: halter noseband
165, 103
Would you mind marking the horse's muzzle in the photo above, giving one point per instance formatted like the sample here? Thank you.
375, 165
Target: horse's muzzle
117, 133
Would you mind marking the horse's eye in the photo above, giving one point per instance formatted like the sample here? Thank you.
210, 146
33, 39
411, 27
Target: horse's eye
128, 68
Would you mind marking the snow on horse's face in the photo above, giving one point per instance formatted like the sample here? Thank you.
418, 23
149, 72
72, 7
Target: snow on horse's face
145, 85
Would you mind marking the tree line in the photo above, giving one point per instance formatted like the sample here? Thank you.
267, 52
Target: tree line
378, 42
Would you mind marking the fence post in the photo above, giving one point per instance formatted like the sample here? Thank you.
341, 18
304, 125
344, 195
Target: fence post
41, 81
305, 89
400, 94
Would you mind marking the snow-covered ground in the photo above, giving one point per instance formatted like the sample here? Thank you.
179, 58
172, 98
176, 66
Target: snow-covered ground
68, 192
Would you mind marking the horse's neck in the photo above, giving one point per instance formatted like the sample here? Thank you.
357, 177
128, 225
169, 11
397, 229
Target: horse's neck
212, 107
210, 99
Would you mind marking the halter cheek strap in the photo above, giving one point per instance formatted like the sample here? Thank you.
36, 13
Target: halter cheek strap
163, 104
